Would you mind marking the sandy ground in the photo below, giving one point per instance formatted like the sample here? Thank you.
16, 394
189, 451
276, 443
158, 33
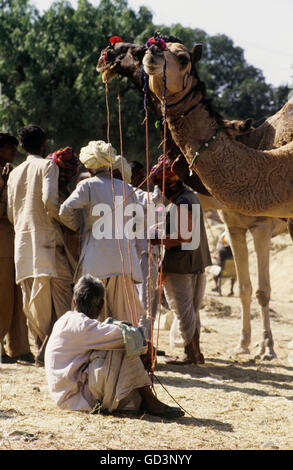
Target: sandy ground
231, 402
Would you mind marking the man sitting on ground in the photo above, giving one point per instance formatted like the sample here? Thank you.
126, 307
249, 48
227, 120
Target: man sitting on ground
90, 363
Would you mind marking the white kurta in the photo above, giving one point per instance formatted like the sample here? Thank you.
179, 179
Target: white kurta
101, 257
31, 206
78, 347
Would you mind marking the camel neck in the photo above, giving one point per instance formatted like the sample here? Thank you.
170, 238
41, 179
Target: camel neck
250, 181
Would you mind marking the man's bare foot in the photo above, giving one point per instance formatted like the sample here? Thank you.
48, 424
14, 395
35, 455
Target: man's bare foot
153, 406
195, 342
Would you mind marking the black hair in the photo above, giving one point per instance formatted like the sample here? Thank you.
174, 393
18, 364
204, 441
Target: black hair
135, 165
87, 294
32, 138
6, 138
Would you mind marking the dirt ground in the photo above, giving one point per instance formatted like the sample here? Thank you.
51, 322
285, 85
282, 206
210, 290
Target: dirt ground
231, 402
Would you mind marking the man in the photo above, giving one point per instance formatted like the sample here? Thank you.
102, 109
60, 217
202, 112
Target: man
224, 253
96, 365
138, 174
12, 319
110, 256
42, 269
183, 269
68, 163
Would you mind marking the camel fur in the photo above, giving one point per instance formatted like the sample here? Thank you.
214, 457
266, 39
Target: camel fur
254, 182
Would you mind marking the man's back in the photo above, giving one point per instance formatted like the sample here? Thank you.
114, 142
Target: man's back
32, 202
95, 197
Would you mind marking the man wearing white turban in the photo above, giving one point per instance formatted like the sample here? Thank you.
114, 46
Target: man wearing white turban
113, 260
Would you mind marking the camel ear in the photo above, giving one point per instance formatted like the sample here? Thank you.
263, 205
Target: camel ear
196, 53
247, 125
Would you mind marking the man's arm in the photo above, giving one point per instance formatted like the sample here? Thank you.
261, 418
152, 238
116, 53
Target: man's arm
70, 210
50, 196
169, 242
143, 198
9, 207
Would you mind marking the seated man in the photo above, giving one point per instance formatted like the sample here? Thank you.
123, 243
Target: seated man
90, 363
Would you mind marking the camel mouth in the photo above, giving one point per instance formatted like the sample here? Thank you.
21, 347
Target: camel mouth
108, 73
152, 69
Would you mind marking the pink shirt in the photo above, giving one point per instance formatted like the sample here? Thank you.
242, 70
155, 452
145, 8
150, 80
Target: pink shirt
73, 338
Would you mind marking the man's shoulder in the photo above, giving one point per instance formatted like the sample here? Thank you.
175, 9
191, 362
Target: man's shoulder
188, 196
32, 161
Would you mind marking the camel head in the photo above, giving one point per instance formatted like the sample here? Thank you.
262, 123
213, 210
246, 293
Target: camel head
173, 63
121, 58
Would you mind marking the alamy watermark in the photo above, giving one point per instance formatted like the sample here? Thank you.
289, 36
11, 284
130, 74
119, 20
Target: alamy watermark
152, 221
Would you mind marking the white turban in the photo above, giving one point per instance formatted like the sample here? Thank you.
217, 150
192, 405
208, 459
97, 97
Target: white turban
117, 165
97, 155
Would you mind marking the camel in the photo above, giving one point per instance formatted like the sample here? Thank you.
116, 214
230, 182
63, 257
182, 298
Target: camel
125, 59
254, 182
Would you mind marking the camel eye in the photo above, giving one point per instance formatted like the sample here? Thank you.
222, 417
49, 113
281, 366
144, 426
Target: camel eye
183, 60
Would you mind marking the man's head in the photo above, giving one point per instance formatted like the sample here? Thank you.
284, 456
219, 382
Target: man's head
163, 171
88, 296
8, 148
32, 139
68, 163
138, 174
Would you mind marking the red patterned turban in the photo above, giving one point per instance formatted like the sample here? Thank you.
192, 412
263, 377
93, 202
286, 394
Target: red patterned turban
66, 159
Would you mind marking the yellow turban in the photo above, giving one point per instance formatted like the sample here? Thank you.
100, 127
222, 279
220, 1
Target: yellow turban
117, 165
97, 155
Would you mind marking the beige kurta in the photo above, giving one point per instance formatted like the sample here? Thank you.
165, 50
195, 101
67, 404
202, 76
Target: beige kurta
42, 268
12, 319
85, 362
32, 204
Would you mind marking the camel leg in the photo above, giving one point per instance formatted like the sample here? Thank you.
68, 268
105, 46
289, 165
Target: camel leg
240, 253
262, 237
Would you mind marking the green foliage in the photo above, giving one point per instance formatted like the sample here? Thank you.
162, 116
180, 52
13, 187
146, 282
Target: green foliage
48, 76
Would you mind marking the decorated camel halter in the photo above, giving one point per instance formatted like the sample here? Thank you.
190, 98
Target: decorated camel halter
113, 41
159, 42
133, 312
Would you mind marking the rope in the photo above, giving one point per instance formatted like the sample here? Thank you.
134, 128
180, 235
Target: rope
163, 200
124, 197
171, 396
114, 207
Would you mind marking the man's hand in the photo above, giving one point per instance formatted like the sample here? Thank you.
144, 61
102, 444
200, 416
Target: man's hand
148, 357
6, 170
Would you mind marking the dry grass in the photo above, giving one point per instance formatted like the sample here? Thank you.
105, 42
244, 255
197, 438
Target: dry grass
231, 402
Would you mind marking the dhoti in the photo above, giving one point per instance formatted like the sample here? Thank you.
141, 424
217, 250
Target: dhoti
122, 302
113, 380
147, 289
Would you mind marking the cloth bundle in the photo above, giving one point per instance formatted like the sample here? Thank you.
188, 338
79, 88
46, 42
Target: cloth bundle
117, 165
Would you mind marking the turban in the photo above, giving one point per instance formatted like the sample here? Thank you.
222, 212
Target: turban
117, 165
97, 155
157, 173
65, 158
